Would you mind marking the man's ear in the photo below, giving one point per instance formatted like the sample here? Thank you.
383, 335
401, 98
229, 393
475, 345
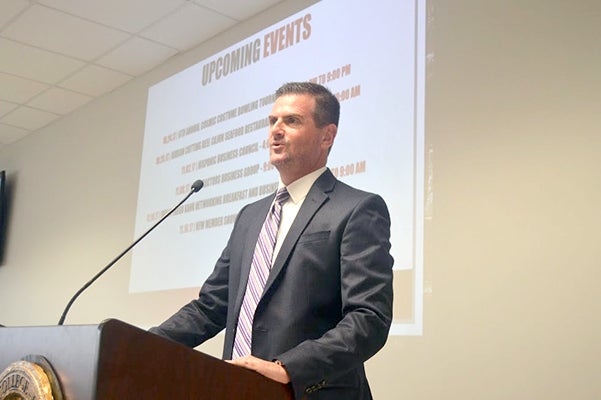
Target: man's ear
329, 134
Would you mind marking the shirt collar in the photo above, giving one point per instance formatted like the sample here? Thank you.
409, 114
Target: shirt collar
299, 189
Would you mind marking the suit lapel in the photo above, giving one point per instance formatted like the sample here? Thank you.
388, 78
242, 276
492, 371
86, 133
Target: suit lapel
318, 194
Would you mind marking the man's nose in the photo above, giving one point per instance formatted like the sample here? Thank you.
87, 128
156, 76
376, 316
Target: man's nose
276, 127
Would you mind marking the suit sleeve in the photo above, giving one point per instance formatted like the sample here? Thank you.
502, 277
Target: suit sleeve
366, 296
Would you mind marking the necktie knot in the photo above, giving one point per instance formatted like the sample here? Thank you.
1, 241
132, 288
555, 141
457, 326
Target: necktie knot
281, 196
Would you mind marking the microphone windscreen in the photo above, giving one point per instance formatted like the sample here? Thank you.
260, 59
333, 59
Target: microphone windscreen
197, 185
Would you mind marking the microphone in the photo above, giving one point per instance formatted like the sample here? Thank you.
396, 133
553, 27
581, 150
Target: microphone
196, 186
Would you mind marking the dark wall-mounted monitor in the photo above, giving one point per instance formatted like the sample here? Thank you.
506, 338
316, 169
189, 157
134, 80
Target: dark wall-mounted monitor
3, 213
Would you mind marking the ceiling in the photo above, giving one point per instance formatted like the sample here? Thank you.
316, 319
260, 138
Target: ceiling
57, 55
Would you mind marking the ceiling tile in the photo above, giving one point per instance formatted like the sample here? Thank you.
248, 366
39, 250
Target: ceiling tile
63, 33
6, 107
17, 89
187, 27
56, 55
238, 9
59, 101
10, 134
94, 80
131, 15
28, 118
30, 62
10, 8
136, 56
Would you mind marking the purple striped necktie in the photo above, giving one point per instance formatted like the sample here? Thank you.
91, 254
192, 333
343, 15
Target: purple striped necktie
259, 271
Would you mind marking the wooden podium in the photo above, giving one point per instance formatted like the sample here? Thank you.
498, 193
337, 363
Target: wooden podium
115, 360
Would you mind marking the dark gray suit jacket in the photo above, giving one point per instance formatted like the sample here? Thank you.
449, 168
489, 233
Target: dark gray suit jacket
327, 305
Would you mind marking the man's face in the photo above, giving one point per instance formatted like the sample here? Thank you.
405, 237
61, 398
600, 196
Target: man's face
296, 146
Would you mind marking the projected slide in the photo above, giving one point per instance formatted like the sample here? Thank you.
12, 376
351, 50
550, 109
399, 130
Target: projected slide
210, 122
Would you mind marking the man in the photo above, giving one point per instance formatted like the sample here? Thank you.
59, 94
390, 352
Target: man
326, 306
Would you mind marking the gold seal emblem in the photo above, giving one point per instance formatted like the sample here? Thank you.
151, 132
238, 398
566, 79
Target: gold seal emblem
25, 380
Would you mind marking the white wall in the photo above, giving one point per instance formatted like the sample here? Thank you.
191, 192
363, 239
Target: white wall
512, 309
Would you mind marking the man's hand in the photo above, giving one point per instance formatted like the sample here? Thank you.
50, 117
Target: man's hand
270, 369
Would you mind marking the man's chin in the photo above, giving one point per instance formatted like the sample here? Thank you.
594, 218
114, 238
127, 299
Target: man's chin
277, 161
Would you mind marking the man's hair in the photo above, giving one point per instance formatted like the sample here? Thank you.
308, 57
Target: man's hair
327, 107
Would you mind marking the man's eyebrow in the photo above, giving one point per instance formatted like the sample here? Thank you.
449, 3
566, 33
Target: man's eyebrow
299, 116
